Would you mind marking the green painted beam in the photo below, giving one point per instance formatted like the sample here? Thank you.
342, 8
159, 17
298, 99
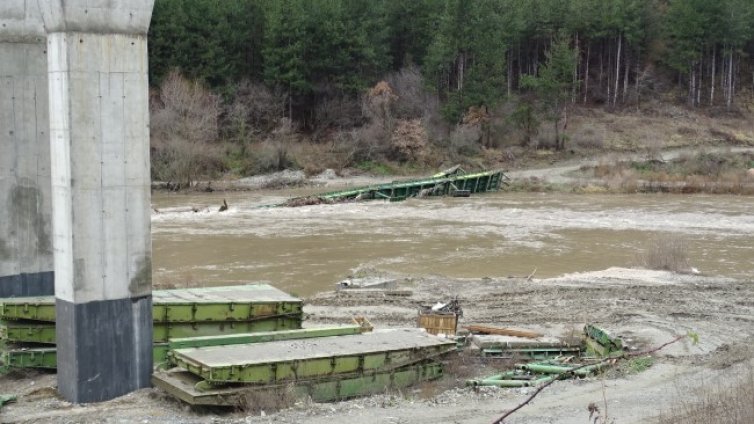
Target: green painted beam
30, 358
594, 347
534, 352
27, 332
164, 332
334, 388
223, 311
603, 337
32, 308
559, 369
33, 332
269, 336
441, 184
47, 357
227, 303
509, 383
271, 362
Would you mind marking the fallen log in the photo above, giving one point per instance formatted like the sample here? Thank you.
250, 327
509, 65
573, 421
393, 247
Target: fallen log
485, 329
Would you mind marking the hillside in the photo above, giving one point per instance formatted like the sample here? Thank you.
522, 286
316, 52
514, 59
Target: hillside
244, 87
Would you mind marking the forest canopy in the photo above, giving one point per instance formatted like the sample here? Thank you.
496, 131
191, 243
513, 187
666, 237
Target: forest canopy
313, 62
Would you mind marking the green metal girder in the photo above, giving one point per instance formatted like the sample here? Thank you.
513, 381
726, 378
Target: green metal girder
269, 336
31, 308
5, 399
47, 357
440, 185
31, 332
534, 353
30, 358
223, 311
327, 391
603, 337
510, 382
182, 386
27, 332
163, 332
559, 369
45, 311
252, 370
256, 301
595, 348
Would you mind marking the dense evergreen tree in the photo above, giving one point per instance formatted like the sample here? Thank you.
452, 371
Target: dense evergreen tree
472, 52
554, 85
466, 61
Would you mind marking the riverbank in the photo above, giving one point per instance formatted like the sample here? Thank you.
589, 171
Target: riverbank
646, 307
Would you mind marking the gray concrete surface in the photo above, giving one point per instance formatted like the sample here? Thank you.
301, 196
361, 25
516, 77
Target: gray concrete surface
241, 355
26, 257
99, 138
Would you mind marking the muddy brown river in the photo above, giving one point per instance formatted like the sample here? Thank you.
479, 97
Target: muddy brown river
308, 249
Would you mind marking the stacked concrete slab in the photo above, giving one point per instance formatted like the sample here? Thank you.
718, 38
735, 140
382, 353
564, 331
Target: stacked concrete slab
26, 254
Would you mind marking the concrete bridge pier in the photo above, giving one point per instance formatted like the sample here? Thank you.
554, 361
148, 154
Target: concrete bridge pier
26, 264
99, 138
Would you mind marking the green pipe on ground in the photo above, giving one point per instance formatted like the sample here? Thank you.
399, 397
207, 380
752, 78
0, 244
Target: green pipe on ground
488, 382
557, 369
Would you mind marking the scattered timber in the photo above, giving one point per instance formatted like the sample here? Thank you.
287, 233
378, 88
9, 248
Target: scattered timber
500, 331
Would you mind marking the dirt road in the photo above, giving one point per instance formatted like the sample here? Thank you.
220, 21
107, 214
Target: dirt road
561, 173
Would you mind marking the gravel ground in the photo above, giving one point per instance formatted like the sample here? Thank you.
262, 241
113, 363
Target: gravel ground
646, 307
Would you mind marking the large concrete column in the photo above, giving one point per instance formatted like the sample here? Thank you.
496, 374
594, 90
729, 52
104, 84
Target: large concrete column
99, 137
26, 267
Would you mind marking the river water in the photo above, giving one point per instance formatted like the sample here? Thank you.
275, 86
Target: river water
308, 249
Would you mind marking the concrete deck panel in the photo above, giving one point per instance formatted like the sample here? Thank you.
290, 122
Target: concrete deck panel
230, 303
322, 347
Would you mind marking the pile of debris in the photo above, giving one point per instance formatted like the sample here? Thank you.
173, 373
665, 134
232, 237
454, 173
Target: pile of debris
27, 325
535, 373
551, 358
217, 346
441, 318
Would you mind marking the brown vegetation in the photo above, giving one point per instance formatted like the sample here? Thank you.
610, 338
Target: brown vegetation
397, 125
731, 403
184, 128
666, 253
724, 173
255, 402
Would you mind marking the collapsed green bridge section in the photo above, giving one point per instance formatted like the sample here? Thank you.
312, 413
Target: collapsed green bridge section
452, 182
217, 346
